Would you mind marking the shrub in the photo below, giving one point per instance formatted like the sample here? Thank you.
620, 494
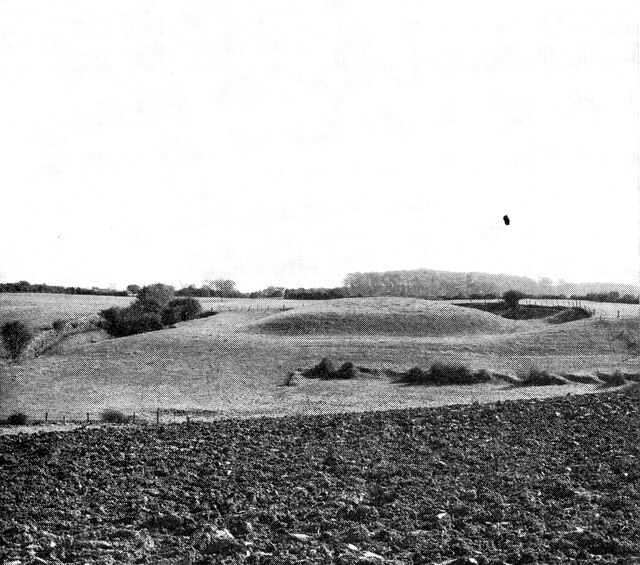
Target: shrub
616, 378
450, 373
16, 336
536, 377
322, 369
416, 376
207, 314
17, 419
181, 310
112, 416
170, 316
141, 323
445, 374
512, 298
291, 379
111, 320
346, 371
133, 289
59, 325
120, 322
153, 298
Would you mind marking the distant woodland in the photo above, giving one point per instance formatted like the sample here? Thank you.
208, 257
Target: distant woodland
423, 283
439, 284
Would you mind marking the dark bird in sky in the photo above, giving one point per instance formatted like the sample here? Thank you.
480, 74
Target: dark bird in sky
506, 219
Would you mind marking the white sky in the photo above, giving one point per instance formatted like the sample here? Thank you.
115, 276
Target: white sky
290, 143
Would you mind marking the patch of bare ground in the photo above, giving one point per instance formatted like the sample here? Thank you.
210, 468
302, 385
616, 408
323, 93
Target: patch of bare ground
531, 481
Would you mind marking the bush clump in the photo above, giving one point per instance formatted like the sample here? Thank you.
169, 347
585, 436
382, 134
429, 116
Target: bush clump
112, 416
59, 325
16, 337
512, 298
326, 370
154, 308
537, 377
154, 298
321, 370
445, 374
616, 378
181, 310
120, 322
346, 371
17, 419
207, 314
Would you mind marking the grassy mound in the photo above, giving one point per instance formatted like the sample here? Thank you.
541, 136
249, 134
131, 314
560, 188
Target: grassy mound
383, 316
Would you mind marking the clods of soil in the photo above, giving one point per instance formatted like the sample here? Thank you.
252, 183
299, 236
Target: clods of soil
540, 481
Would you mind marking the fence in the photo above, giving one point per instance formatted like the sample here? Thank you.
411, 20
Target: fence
141, 416
250, 308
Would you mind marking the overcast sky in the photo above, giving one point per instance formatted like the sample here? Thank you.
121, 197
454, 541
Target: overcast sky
289, 143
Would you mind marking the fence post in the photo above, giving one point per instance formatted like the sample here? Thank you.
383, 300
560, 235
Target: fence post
46, 416
87, 417
64, 418
187, 419
158, 416
134, 417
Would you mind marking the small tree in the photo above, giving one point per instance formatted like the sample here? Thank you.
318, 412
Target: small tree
154, 298
181, 310
16, 336
133, 289
512, 298
17, 419
120, 322
223, 287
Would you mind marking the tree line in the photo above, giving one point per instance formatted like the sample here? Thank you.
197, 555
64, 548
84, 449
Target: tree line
422, 283
427, 283
24, 286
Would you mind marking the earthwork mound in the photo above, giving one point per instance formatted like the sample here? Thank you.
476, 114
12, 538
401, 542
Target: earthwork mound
390, 316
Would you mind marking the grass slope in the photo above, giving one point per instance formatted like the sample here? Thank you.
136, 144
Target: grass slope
553, 481
213, 364
383, 316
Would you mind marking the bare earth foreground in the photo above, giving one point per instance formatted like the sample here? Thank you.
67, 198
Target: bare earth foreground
537, 481
233, 364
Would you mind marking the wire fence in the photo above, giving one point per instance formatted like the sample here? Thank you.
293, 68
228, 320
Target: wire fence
141, 416
250, 308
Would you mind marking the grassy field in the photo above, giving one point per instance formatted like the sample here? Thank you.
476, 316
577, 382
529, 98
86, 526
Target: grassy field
220, 366
40, 310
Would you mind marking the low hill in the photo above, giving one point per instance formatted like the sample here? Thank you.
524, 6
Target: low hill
393, 316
